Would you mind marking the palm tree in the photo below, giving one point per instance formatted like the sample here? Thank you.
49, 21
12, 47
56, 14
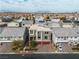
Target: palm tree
33, 18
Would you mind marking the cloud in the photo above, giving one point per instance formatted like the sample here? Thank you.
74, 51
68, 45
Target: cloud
40, 5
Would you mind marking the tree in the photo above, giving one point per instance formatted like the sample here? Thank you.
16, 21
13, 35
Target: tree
17, 45
47, 18
63, 18
33, 20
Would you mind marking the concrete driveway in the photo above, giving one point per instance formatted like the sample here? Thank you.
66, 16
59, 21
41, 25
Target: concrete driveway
46, 48
65, 47
5, 47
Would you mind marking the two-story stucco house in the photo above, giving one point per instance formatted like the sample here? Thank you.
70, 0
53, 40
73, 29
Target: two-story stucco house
40, 34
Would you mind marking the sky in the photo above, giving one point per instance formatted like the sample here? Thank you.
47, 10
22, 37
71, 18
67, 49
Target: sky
39, 5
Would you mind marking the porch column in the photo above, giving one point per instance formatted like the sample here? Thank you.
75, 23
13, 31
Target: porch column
41, 35
36, 35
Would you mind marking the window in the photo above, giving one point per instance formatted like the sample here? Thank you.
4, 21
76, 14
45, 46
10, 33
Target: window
46, 32
31, 31
19, 36
71, 37
66, 37
46, 37
35, 31
39, 35
23, 24
11, 37
77, 32
61, 37
75, 37
58, 37
75, 42
8, 38
38, 32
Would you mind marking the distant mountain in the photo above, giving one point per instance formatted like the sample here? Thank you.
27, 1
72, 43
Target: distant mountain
36, 11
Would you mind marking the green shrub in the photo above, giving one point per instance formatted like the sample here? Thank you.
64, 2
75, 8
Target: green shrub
17, 45
33, 44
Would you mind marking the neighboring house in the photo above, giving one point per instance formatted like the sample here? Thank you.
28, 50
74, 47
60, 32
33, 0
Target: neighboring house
9, 34
40, 34
65, 35
6, 19
26, 23
67, 24
55, 20
3, 24
40, 20
18, 20
13, 24
76, 23
53, 23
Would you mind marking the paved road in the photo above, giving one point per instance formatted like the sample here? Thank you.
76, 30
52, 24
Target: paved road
40, 56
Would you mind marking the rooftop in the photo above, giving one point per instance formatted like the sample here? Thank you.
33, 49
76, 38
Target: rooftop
66, 32
39, 28
11, 32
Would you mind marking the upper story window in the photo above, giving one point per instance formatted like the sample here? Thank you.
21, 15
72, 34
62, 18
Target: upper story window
34, 31
19, 36
46, 32
61, 37
31, 31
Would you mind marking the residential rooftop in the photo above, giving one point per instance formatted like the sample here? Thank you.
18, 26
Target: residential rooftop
11, 32
66, 32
